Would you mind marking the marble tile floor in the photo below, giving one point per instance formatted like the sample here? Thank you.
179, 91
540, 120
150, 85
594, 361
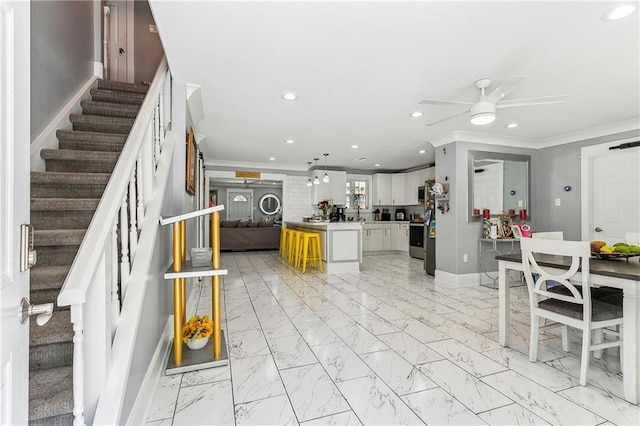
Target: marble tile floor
385, 346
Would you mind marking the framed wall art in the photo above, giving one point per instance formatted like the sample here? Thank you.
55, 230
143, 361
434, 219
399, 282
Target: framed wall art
192, 162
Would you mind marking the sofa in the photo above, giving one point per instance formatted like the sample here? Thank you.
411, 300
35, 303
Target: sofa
238, 235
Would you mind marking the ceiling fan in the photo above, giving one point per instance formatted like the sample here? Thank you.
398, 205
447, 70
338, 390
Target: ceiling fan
483, 111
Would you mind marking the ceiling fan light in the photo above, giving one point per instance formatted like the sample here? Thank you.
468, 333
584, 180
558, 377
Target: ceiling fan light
483, 118
619, 12
325, 178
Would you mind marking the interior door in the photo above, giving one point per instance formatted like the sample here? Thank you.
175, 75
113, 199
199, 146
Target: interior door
616, 195
115, 40
239, 204
14, 206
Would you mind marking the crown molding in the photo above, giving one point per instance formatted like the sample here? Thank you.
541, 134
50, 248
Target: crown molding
596, 132
242, 165
489, 139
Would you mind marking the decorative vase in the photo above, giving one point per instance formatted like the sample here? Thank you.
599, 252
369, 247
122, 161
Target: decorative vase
195, 344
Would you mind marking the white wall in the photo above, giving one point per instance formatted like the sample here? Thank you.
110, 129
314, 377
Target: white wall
296, 199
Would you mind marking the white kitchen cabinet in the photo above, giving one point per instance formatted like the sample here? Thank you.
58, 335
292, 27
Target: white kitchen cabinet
334, 190
413, 182
399, 189
381, 191
400, 237
427, 174
376, 237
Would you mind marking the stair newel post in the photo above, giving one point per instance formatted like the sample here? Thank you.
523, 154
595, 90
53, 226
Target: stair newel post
78, 364
133, 227
124, 243
139, 171
215, 283
178, 304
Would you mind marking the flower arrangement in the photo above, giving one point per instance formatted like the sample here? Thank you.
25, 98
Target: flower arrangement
197, 328
324, 206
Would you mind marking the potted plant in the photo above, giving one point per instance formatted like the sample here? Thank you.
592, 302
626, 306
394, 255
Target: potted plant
324, 206
196, 331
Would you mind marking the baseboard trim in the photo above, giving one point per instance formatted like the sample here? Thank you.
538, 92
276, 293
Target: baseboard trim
146, 393
47, 138
456, 280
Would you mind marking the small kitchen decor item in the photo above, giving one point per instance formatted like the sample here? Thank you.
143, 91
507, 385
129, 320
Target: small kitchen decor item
324, 206
196, 331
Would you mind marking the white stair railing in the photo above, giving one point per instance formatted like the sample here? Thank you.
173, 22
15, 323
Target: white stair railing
95, 287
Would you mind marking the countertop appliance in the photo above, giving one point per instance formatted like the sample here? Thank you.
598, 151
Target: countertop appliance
416, 239
401, 214
337, 214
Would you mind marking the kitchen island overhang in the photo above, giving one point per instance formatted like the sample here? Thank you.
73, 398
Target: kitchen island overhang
341, 244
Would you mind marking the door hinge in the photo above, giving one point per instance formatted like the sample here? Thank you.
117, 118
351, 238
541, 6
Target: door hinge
28, 255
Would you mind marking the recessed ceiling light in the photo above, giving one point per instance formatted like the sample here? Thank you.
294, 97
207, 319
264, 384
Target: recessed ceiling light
354, 146
377, 165
289, 96
289, 141
618, 12
362, 159
512, 125
416, 114
422, 151
272, 158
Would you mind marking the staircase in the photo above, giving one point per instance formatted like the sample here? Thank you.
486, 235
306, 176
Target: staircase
63, 200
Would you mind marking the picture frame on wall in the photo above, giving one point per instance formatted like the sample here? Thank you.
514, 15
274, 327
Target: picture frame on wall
192, 161
213, 197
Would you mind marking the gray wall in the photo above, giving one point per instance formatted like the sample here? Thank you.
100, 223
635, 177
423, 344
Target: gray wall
62, 55
558, 167
148, 50
257, 193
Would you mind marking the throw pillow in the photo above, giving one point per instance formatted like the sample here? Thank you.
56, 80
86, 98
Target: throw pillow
243, 224
266, 224
229, 223
253, 224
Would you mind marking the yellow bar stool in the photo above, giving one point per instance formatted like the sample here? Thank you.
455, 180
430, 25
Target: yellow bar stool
311, 251
283, 242
292, 246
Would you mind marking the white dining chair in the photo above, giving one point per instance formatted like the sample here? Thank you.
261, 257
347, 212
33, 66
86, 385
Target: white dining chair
552, 235
573, 309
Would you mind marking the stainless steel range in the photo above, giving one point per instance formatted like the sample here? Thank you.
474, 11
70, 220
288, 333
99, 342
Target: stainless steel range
416, 240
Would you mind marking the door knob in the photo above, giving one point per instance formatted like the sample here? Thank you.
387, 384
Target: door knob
121, 51
44, 312
598, 229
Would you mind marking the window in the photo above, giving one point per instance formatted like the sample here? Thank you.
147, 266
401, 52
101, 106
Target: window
356, 194
240, 198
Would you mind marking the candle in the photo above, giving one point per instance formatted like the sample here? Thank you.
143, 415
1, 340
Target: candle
523, 214
486, 214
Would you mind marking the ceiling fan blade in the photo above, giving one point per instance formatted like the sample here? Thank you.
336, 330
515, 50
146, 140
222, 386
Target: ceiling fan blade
505, 88
446, 117
439, 102
543, 100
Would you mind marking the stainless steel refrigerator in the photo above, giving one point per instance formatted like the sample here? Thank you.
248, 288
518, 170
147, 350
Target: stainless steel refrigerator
429, 229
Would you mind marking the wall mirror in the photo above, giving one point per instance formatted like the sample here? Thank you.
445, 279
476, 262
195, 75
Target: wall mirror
498, 182
269, 204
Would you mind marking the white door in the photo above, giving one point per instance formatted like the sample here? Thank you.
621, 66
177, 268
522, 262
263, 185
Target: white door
14, 206
239, 204
612, 179
115, 40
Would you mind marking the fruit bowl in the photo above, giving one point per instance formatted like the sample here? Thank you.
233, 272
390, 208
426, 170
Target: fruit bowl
607, 256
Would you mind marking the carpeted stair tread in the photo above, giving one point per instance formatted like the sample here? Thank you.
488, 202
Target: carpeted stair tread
58, 329
58, 237
99, 123
64, 204
116, 97
50, 393
109, 109
66, 160
98, 137
65, 178
48, 277
122, 86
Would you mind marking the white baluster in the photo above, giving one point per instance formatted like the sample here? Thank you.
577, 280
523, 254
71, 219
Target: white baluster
139, 171
124, 243
113, 265
133, 228
155, 147
78, 365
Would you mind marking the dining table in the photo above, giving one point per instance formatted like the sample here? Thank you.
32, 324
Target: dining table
618, 273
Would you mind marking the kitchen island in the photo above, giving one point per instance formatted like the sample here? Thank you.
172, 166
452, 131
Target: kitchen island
341, 244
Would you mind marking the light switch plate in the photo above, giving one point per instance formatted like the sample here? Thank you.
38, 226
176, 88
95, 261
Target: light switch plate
558, 202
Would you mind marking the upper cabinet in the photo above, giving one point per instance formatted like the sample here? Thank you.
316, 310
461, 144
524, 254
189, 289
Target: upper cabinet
413, 182
382, 190
334, 190
399, 189
427, 174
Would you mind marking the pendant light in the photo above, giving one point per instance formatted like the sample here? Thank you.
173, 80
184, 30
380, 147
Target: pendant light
325, 178
309, 183
316, 181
